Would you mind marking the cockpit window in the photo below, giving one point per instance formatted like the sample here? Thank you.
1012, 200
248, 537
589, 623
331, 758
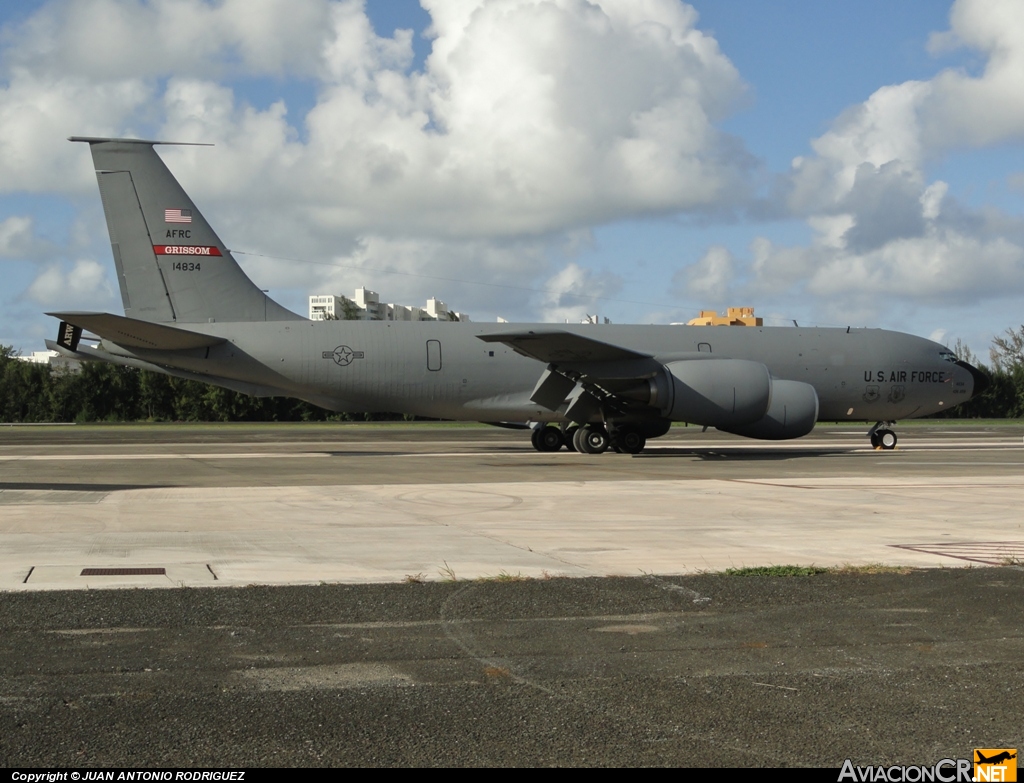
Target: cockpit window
947, 356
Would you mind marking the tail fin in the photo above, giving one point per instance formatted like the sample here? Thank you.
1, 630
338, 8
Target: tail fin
171, 266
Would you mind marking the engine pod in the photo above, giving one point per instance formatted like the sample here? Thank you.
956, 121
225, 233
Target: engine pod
792, 413
723, 393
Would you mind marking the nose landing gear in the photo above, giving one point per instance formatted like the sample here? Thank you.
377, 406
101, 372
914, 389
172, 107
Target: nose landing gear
882, 436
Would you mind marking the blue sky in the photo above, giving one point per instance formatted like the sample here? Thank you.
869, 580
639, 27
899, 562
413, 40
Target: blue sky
540, 160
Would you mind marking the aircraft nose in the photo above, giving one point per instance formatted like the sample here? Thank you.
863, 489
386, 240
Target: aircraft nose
981, 381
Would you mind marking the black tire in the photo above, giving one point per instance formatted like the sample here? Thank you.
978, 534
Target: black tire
629, 440
550, 438
594, 440
568, 434
535, 438
577, 439
887, 439
874, 440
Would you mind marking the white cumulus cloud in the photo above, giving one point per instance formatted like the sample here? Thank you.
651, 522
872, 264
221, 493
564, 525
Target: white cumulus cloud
16, 238
528, 117
84, 284
709, 280
882, 231
574, 293
528, 122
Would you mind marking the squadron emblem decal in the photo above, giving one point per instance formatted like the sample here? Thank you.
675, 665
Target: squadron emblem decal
343, 355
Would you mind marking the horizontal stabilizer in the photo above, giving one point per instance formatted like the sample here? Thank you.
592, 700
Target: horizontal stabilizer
555, 347
63, 350
132, 333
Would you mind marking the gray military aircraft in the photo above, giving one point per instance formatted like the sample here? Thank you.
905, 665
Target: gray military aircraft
190, 311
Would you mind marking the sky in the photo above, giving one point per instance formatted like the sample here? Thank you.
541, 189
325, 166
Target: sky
539, 160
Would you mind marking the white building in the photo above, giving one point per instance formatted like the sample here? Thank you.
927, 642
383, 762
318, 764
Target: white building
54, 359
365, 305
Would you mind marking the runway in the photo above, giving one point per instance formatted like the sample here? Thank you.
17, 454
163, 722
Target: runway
397, 600
305, 504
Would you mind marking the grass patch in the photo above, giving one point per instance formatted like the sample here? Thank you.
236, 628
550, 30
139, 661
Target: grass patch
871, 568
812, 570
777, 570
505, 576
448, 573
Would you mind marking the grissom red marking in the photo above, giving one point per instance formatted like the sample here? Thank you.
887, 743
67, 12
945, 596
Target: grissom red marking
186, 250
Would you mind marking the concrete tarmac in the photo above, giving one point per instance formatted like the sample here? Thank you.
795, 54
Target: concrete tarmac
467, 648
239, 505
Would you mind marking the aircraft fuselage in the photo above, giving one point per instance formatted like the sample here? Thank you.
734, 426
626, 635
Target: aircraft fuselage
443, 370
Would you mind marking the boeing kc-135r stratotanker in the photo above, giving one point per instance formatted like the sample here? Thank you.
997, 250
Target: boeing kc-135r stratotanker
190, 311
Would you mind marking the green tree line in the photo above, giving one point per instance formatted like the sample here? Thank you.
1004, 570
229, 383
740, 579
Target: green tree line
106, 392
1004, 397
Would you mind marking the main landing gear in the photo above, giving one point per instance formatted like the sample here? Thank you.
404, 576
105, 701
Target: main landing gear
882, 436
589, 439
546, 438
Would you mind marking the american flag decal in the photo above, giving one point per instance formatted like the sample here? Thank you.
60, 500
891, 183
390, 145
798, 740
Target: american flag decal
177, 216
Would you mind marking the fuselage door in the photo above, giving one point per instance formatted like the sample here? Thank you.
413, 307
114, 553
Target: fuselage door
433, 355
704, 347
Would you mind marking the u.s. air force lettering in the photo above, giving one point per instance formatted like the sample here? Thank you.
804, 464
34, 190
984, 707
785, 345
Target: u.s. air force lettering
343, 355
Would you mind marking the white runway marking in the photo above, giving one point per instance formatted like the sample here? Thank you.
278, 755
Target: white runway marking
391, 450
133, 457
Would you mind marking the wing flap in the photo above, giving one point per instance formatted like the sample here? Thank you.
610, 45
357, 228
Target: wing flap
557, 347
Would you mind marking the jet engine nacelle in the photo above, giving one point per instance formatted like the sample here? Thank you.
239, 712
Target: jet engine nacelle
792, 414
723, 393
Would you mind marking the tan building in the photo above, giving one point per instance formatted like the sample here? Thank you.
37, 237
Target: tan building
735, 316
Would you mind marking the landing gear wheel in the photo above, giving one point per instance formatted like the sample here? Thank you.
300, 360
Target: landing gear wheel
546, 438
569, 436
550, 439
628, 440
886, 439
882, 436
631, 442
577, 439
535, 436
592, 440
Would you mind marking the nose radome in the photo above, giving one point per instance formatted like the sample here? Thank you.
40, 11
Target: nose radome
981, 381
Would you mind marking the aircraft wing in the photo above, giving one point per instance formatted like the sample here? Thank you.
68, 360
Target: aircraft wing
556, 347
583, 375
132, 333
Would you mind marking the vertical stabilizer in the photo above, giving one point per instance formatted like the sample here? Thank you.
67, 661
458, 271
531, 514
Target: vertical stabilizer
171, 266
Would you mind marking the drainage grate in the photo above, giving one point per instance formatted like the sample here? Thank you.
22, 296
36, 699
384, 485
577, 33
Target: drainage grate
988, 552
124, 572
